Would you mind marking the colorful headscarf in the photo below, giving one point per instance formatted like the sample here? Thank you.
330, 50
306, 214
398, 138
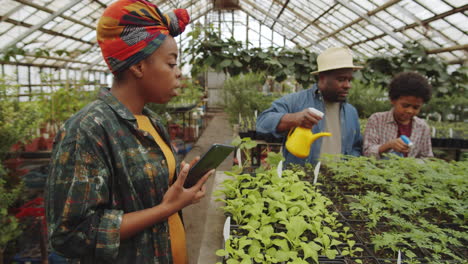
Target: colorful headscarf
131, 30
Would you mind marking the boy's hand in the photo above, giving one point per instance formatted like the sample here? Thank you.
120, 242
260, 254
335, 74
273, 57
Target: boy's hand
398, 145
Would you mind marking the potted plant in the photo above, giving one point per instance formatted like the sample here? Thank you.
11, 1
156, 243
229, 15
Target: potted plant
59, 105
26, 119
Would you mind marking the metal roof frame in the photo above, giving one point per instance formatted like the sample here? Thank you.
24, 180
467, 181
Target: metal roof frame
366, 26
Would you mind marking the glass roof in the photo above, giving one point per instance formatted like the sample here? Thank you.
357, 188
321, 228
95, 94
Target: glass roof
61, 33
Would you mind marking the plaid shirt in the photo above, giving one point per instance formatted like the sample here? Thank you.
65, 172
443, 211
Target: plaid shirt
382, 127
102, 167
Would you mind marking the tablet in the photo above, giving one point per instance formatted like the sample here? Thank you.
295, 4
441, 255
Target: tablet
210, 160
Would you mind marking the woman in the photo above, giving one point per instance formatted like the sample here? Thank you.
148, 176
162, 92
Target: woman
112, 195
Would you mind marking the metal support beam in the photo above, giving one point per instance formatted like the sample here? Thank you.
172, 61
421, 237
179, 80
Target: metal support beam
161, 2
100, 3
232, 20
219, 23
371, 20
200, 15
269, 11
47, 31
39, 25
260, 35
437, 17
247, 31
269, 15
448, 49
284, 37
317, 18
280, 13
420, 23
424, 22
271, 40
461, 62
92, 64
57, 59
366, 17
50, 11
8, 14
302, 18
14, 63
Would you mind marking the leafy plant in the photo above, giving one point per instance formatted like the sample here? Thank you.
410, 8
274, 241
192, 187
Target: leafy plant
9, 225
15, 53
190, 93
208, 50
449, 107
408, 204
414, 57
244, 145
242, 98
368, 98
284, 219
18, 121
63, 101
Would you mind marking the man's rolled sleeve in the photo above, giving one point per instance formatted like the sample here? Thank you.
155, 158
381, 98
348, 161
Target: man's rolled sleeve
268, 120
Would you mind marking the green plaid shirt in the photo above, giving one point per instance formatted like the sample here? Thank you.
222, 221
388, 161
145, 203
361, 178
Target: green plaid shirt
102, 167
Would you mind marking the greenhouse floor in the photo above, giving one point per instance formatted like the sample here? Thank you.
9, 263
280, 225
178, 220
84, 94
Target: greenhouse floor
203, 221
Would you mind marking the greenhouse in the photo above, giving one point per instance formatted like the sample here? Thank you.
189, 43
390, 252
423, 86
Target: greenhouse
234, 131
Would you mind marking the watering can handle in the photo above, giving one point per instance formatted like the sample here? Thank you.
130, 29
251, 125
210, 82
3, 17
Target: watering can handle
290, 131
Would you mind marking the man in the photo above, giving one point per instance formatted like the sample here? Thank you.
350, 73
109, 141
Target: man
335, 72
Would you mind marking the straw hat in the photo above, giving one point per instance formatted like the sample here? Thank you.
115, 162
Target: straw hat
335, 58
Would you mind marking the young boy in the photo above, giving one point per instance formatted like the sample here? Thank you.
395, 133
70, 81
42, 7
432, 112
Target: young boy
408, 92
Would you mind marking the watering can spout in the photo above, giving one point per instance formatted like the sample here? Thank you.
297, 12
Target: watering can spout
319, 135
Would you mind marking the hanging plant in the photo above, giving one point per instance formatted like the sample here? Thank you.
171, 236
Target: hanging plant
414, 57
209, 51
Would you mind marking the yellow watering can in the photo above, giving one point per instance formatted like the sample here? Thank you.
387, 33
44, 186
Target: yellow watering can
300, 139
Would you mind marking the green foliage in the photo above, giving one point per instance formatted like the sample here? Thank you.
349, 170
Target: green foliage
244, 145
9, 226
450, 107
368, 98
280, 219
414, 57
18, 120
413, 203
15, 53
63, 101
190, 93
242, 97
273, 158
208, 50
450, 87
442, 129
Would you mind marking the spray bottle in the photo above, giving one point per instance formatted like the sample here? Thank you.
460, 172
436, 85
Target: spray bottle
407, 141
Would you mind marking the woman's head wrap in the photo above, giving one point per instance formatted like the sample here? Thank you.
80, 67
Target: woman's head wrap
131, 30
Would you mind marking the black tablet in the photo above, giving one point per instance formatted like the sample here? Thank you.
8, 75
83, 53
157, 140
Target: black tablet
210, 160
